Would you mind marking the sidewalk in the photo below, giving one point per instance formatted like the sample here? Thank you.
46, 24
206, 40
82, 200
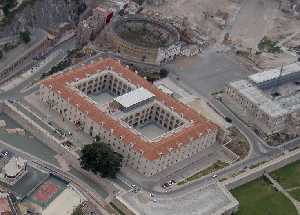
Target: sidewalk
282, 190
78, 138
179, 171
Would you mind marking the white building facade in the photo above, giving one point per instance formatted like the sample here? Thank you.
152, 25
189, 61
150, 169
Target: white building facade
186, 132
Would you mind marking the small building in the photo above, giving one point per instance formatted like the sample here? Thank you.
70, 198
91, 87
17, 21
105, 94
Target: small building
133, 99
6, 205
90, 27
14, 167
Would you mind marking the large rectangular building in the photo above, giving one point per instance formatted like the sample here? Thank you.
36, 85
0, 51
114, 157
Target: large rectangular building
148, 127
270, 98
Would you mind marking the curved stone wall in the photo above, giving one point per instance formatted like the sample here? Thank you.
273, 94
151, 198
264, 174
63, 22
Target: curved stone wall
137, 49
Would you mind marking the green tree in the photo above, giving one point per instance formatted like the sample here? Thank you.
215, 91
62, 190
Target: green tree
99, 158
25, 36
77, 211
7, 5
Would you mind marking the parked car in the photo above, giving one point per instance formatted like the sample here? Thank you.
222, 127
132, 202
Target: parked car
227, 119
165, 185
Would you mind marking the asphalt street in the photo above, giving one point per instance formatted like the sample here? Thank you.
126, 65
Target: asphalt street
210, 71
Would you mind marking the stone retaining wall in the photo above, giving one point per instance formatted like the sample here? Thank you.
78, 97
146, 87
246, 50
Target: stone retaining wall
53, 143
257, 172
40, 133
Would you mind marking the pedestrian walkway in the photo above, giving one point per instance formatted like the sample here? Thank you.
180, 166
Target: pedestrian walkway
283, 191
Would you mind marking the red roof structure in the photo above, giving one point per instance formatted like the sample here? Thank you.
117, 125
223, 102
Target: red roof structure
199, 125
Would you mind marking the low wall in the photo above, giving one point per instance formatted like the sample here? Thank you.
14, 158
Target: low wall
257, 172
53, 143
40, 133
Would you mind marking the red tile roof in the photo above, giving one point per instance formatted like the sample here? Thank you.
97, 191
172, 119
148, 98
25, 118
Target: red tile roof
199, 125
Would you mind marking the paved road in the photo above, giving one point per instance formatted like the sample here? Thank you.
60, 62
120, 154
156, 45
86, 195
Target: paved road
34, 161
15, 92
213, 71
209, 71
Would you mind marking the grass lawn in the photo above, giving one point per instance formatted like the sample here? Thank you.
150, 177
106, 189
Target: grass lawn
288, 176
259, 198
295, 194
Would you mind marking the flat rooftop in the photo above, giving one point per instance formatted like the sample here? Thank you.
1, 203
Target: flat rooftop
268, 75
262, 98
213, 199
61, 84
134, 97
257, 97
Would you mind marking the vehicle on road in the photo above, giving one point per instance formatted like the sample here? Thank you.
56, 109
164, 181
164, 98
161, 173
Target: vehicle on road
168, 184
227, 119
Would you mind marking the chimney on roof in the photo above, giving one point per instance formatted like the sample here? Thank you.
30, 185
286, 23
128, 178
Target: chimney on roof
111, 131
58, 92
170, 149
136, 72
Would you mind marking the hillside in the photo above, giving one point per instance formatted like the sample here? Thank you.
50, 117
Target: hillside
41, 13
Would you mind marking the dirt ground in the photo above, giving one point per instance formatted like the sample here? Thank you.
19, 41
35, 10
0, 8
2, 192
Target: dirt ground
246, 22
200, 13
254, 20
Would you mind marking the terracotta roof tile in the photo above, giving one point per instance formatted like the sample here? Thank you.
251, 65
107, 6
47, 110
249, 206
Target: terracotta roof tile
200, 125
